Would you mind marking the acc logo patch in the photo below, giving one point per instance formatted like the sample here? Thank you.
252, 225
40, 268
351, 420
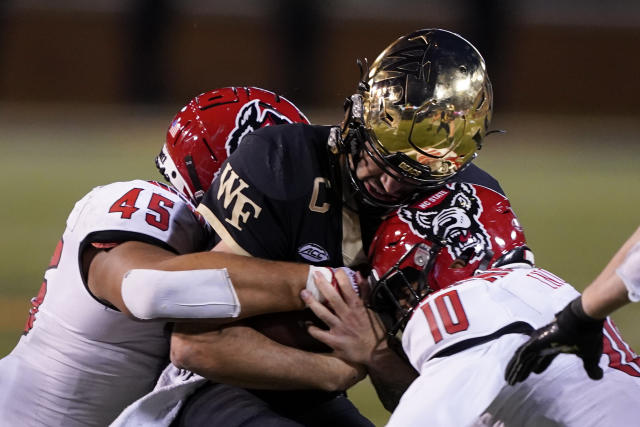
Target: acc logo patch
312, 252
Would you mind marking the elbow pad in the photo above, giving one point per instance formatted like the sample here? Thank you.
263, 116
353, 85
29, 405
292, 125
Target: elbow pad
629, 272
191, 294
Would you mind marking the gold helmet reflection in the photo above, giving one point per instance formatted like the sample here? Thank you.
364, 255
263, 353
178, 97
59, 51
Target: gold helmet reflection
426, 105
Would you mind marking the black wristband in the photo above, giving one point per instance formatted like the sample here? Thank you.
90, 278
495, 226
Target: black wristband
573, 317
578, 310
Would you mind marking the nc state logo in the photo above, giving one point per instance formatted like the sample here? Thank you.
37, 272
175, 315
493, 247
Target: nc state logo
453, 221
253, 115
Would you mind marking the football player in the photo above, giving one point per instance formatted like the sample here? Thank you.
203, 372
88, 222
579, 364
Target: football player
578, 327
85, 354
453, 272
316, 193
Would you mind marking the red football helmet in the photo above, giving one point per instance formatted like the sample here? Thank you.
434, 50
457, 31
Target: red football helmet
210, 127
441, 239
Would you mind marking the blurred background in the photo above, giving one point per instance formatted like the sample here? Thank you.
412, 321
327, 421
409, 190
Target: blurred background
87, 90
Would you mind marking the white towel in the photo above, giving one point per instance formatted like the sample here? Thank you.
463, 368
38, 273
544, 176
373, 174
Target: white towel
160, 407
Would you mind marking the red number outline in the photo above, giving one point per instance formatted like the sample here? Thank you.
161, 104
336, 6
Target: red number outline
160, 205
450, 326
126, 204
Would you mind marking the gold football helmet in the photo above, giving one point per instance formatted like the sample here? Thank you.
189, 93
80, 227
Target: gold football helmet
424, 107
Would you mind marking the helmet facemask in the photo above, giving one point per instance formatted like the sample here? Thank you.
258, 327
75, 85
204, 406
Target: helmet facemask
438, 241
170, 171
357, 142
396, 294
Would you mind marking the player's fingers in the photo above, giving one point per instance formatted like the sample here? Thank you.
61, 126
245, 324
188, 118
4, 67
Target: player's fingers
593, 370
510, 372
346, 284
319, 309
514, 368
521, 364
542, 363
365, 287
322, 335
332, 295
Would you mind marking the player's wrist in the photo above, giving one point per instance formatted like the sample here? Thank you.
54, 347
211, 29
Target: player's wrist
573, 318
326, 272
577, 308
329, 275
629, 273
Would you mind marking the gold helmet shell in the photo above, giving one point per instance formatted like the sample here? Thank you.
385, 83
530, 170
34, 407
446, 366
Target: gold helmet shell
427, 103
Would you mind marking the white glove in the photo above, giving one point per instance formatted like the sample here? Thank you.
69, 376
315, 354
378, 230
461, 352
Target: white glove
629, 272
330, 275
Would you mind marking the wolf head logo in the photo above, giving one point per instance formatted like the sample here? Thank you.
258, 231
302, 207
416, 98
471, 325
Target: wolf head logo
450, 219
252, 116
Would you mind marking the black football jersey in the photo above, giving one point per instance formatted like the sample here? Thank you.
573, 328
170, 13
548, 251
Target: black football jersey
472, 174
274, 197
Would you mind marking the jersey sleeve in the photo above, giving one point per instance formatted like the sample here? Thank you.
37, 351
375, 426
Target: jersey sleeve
142, 211
472, 174
251, 203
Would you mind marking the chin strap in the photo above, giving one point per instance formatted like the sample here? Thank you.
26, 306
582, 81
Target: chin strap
486, 260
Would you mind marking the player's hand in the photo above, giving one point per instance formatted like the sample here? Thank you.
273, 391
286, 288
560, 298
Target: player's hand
329, 274
355, 332
572, 331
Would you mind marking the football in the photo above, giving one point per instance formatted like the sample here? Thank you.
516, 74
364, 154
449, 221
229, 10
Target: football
290, 328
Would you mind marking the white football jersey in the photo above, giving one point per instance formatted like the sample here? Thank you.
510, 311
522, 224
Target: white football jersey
79, 361
461, 338
481, 306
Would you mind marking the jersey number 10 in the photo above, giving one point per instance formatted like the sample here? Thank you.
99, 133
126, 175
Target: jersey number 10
445, 303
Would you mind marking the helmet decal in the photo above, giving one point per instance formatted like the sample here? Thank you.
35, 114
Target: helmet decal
209, 128
174, 128
252, 116
452, 218
408, 61
413, 251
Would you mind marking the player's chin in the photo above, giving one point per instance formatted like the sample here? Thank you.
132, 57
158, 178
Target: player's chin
380, 195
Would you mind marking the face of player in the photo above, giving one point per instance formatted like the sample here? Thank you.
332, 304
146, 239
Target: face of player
406, 291
381, 184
